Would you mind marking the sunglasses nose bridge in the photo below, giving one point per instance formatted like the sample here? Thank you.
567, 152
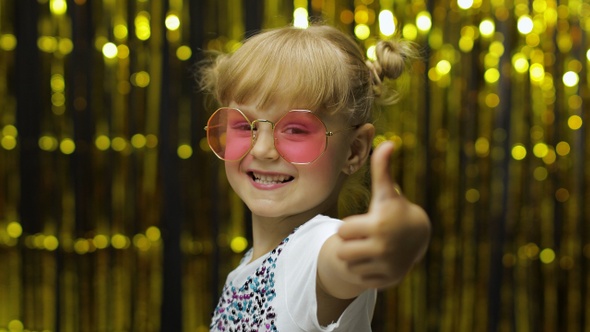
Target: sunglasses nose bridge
257, 121
254, 126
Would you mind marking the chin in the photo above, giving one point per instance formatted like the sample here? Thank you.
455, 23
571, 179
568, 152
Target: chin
264, 210
272, 211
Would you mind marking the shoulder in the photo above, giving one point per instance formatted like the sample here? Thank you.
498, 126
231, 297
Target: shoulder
318, 227
306, 241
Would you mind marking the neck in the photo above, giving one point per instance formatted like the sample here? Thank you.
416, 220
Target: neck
268, 232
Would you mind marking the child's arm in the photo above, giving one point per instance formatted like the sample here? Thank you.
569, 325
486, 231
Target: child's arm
376, 249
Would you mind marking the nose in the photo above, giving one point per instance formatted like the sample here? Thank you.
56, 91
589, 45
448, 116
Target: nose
263, 144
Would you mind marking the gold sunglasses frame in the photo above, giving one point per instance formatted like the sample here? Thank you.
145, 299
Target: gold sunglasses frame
273, 125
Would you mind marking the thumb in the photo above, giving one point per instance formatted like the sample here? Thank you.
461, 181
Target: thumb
382, 183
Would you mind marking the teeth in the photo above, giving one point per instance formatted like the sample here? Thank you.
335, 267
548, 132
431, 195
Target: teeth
270, 179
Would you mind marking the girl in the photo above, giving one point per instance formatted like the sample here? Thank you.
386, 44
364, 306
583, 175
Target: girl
295, 124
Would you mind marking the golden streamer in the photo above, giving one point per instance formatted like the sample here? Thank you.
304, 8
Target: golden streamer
491, 133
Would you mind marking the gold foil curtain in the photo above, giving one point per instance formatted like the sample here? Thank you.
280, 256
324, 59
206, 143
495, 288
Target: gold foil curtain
114, 217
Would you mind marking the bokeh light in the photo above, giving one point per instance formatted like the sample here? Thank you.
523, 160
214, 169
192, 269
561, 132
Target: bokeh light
423, 21
172, 22
386, 23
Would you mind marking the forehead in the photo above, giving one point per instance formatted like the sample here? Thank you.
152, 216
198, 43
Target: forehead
268, 111
273, 95
276, 112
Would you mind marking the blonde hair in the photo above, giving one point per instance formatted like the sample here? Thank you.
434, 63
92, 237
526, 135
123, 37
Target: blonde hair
319, 68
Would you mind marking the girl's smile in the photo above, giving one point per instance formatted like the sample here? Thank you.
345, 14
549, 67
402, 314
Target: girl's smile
264, 180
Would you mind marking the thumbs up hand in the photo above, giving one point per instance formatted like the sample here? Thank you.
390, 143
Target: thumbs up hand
381, 246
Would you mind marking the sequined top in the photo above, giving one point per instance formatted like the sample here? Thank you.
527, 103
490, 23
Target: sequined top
276, 292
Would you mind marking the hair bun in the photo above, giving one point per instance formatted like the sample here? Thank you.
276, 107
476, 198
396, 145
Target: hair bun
391, 57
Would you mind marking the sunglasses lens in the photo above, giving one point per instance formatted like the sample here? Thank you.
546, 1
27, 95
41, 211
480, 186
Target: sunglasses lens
300, 137
229, 134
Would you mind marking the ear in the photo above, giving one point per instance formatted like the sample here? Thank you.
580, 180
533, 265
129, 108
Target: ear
360, 148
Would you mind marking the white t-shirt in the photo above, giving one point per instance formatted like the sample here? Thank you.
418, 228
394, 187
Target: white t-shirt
277, 292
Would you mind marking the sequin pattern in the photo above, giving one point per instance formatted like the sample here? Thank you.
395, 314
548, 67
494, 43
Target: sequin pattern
248, 307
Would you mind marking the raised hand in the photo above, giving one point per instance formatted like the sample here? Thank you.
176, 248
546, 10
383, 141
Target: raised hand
381, 246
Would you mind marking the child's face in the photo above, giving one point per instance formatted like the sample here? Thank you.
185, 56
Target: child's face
272, 187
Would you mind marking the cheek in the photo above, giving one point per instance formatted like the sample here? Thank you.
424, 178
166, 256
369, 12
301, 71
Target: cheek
237, 148
231, 173
328, 168
337, 153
